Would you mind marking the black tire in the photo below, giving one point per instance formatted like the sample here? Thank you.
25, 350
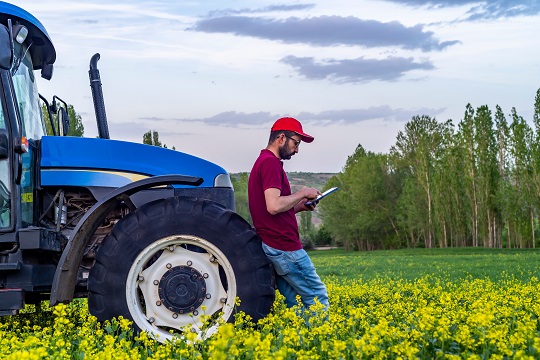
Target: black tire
191, 252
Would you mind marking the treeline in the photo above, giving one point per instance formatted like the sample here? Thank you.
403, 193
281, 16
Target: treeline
476, 183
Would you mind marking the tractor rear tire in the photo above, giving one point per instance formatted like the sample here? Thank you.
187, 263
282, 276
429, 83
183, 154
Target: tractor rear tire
180, 264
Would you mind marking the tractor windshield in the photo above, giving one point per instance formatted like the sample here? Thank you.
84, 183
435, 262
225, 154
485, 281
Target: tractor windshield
27, 97
27, 94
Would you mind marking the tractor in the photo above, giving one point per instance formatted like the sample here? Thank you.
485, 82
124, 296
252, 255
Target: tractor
143, 232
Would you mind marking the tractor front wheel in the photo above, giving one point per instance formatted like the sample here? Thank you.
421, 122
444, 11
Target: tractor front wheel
180, 264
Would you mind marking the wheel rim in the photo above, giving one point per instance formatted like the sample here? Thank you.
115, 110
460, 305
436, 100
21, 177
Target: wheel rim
176, 281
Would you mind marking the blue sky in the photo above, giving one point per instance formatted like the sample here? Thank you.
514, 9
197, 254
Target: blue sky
212, 76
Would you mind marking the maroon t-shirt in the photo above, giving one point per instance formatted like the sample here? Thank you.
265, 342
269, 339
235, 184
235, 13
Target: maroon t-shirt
279, 231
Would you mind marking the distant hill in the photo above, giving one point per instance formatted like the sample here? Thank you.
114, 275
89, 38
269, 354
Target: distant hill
300, 179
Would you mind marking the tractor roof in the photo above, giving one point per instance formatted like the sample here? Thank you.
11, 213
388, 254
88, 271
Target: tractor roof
42, 49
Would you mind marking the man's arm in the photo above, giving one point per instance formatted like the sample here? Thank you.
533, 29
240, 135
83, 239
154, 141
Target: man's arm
275, 203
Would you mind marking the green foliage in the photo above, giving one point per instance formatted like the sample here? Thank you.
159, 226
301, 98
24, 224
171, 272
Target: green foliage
240, 184
322, 237
305, 225
359, 214
76, 127
151, 137
475, 184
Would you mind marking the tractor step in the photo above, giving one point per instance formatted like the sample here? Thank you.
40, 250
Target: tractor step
11, 301
10, 266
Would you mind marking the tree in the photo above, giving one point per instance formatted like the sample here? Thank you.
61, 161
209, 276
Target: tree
466, 139
418, 149
76, 127
360, 215
522, 207
478, 185
240, 185
503, 161
151, 137
305, 226
487, 174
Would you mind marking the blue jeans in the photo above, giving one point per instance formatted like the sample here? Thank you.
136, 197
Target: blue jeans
296, 275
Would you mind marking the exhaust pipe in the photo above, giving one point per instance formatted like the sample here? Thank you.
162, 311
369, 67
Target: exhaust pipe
97, 96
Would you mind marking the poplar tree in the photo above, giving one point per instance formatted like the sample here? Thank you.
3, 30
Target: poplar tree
503, 165
523, 209
466, 138
418, 148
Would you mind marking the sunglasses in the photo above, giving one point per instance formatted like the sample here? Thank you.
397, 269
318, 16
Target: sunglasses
296, 142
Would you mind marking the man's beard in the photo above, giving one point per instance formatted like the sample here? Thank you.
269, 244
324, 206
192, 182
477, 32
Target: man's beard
284, 154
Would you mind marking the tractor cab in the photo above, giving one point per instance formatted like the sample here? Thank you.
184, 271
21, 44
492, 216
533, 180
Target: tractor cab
24, 47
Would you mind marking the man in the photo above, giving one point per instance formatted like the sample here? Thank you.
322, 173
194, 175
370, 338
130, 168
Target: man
273, 208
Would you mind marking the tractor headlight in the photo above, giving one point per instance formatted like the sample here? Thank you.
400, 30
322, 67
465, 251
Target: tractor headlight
223, 180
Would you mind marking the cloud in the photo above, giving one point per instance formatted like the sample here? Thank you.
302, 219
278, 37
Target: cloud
358, 70
326, 31
483, 10
235, 119
347, 116
351, 116
266, 9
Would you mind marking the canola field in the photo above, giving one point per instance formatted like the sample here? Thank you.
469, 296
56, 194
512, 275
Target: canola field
407, 304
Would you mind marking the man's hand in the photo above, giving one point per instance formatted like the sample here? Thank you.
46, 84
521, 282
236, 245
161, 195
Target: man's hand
303, 207
275, 203
309, 195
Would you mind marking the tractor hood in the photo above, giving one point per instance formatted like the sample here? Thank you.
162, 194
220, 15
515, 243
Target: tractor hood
75, 161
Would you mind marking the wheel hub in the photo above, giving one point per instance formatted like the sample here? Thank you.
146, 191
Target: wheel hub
182, 289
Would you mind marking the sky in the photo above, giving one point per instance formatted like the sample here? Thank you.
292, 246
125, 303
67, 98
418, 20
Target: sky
211, 77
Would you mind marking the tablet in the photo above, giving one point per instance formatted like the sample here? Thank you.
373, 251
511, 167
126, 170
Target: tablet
329, 191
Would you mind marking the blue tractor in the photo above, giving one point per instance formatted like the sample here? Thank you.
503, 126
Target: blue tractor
143, 232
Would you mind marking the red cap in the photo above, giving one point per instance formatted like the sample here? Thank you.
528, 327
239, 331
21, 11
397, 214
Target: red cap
291, 124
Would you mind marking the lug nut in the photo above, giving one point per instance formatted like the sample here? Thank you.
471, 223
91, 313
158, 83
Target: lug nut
175, 316
205, 275
208, 296
189, 263
168, 266
151, 320
158, 303
212, 259
195, 313
171, 248
156, 282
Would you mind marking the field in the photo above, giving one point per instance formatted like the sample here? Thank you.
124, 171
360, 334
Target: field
441, 303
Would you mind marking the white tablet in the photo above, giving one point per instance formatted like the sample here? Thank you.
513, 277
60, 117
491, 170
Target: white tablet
329, 191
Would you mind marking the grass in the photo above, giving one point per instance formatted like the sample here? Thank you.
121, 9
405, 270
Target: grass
410, 264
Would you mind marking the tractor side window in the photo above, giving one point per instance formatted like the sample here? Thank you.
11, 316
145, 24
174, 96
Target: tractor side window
2, 121
5, 192
27, 95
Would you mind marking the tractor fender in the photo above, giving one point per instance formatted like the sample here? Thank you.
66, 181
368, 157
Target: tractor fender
65, 277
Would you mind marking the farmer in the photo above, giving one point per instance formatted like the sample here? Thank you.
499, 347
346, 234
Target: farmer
273, 208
